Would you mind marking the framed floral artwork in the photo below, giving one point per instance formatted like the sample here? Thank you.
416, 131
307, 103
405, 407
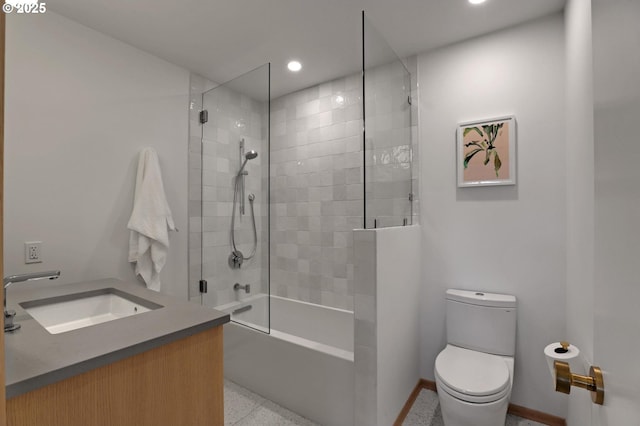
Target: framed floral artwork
487, 152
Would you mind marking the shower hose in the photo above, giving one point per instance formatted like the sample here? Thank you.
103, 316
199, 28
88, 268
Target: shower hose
252, 197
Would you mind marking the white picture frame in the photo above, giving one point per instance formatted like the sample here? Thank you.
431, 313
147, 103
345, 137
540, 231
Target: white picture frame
486, 152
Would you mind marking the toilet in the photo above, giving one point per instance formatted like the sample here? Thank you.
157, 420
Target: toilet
474, 372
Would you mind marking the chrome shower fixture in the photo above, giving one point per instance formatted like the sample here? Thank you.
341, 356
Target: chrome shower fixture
246, 288
243, 158
236, 258
248, 156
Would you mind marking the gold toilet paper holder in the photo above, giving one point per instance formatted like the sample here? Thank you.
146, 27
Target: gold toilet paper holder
594, 382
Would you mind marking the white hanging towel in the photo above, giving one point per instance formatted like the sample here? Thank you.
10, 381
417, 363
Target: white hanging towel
150, 221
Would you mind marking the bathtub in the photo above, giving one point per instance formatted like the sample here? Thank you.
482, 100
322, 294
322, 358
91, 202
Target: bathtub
305, 364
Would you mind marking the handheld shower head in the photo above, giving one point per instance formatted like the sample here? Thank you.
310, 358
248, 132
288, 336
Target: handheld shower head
248, 156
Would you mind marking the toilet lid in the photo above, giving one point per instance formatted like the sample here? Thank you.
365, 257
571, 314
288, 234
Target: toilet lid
470, 372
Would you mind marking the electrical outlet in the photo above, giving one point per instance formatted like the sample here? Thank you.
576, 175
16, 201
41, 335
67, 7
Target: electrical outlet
33, 252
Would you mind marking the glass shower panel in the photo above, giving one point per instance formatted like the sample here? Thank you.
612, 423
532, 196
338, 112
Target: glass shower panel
235, 198
387, 133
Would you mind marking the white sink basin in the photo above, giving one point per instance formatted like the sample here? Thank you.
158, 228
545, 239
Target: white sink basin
70, 312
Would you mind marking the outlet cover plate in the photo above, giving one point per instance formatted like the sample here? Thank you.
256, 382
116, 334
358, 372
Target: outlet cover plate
33, 252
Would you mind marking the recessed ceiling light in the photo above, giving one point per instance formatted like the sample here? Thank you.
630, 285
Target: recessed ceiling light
477, 1
294, 66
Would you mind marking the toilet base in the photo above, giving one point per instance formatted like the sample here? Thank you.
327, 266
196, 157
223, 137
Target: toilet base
456, 412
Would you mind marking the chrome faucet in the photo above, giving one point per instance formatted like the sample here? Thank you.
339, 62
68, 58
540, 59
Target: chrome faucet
246, 287
9, 325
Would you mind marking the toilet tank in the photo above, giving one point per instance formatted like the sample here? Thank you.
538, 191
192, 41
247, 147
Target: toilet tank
482, 321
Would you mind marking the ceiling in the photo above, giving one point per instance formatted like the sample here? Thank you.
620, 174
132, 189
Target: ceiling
222, 39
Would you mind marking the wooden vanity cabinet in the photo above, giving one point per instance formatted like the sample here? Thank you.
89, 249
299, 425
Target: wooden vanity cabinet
180, 383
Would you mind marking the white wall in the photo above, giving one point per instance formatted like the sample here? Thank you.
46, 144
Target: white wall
580, 193
79, 107
501, 239
616, 38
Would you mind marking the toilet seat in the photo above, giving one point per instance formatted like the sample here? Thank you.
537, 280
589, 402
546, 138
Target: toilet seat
472, 376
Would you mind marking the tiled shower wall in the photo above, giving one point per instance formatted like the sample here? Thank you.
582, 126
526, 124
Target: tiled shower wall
316, 186
317, 178
317, 191
214, 162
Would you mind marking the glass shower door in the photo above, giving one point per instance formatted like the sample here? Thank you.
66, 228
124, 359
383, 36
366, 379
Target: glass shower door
388, 155
235, 198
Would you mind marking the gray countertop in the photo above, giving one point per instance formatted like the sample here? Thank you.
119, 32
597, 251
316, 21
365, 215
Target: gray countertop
36, 358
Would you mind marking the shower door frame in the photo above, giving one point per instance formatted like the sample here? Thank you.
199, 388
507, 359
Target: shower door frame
369, 30
264, 233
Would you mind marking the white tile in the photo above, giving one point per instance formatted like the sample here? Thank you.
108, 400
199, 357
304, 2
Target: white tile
327, 298
314, 135
324, 90
338, 131
325, 104
354, 128
338, 86
319, 120
301, 124
365, 386
353, 81
222, 165
308, 108
278, 116
365, 307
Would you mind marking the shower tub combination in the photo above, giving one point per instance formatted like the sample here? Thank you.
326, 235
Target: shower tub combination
298, 354
306, 362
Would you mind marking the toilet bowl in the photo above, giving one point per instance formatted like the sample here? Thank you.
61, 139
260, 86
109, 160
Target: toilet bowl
474, 372
473, 387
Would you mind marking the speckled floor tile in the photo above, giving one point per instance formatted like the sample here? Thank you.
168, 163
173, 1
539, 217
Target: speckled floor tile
245, 408
426, 412
517, 421
271, 414
423, 410
238, 403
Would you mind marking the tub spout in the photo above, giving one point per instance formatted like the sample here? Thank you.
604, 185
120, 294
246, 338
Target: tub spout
246, 287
